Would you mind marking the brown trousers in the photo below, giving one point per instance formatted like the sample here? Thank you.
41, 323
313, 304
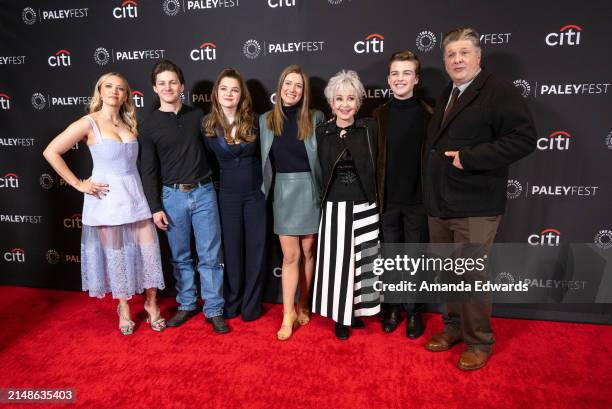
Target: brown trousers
471, 322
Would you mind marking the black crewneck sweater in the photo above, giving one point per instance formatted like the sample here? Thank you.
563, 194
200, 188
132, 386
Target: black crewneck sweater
288, 154
405, 135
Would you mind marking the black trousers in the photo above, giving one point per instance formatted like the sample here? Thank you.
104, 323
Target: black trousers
244, 228
404, 224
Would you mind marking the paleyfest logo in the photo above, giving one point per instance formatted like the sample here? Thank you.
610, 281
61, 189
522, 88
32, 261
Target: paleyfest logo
60, 59
128, 9
29, 15
39, 101
608, 140
373, 43
207, 51
101, 56
251, 49
567, 35
558, 140
173, 7
426, 41
603, 239
523, 86
514, 189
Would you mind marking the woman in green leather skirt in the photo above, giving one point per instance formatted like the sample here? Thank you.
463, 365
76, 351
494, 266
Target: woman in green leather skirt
289, 158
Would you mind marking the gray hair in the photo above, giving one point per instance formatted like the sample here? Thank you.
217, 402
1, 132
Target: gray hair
461, 33
345, 79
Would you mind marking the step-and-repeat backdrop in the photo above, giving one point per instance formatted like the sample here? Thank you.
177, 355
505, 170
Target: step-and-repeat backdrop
555, 52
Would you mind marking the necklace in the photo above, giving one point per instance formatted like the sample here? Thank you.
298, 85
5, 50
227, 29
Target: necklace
115, 123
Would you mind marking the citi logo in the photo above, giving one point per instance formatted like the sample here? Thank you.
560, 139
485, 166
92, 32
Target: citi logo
558, 140
138, 98
10, 181
73, 222
15, 255
128, 9
281, 3
374, 43
5, 101
60, 59
205, 52
547, 237
567, 35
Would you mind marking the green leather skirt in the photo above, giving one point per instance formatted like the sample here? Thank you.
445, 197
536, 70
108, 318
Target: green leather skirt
296, 205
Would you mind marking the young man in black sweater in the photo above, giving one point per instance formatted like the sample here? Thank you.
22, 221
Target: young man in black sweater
402, 123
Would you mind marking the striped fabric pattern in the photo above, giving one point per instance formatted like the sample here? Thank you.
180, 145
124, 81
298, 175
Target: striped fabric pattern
344, 278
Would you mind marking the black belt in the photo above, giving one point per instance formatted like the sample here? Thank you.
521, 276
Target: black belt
188, 187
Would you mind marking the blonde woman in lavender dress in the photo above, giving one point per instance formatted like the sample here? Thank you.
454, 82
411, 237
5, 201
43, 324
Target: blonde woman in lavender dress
119, 245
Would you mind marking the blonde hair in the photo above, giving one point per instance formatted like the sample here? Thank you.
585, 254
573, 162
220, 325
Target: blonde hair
345, 80
245, 120
304, 118
127, 112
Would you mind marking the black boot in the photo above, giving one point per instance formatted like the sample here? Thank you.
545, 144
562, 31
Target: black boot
391, 317
357, 323
414, 325
342, 331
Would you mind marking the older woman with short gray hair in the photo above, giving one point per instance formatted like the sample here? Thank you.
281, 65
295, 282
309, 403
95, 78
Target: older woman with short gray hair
347, 150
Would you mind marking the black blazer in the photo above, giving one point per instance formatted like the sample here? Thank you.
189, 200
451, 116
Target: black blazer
240, 171
491, 127
363, 141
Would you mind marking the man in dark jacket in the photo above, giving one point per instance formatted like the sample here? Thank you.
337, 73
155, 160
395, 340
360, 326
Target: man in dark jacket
402, 124
479, 127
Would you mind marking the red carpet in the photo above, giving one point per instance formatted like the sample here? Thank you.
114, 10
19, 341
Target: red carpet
65, 339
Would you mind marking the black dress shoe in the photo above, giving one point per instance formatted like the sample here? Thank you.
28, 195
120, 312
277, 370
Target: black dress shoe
342, 331
357, 323
180, 318
218, 324
391, 318
414, 325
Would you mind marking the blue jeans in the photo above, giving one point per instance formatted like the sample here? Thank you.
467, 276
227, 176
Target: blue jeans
198, 210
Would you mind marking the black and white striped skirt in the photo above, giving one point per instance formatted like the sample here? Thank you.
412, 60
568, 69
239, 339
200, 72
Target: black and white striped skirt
348, 244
